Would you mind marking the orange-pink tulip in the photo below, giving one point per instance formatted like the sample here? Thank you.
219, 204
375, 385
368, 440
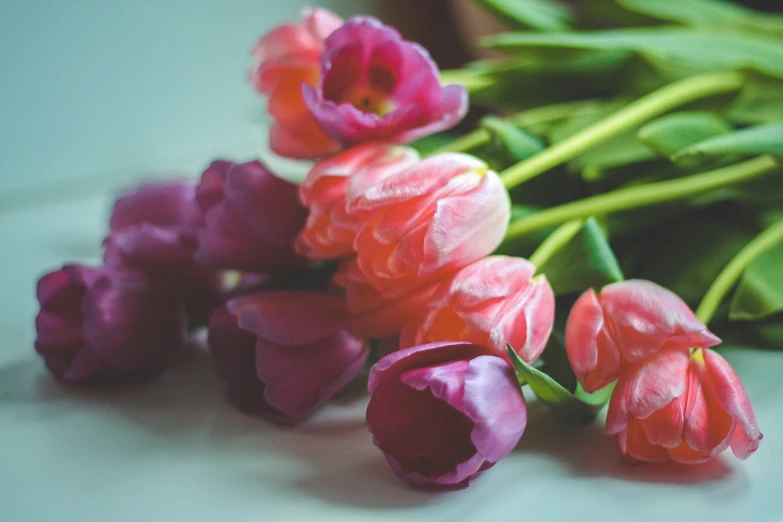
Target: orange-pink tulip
330, 231
626, 323
682, 405
490, 302
428, 221
286, 58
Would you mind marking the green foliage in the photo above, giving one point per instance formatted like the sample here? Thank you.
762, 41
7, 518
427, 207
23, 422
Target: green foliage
670, 134
760, 291
763, 139
544, 15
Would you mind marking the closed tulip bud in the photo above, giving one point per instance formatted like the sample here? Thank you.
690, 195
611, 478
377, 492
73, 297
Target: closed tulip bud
682, 405
169, 204
252, 219
626, 323
283, 354
494, 301
444, 412
428, 221
330, 232
103, 324
288, 57
375, 86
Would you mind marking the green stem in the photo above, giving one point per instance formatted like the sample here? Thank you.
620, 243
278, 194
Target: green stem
643, 195
732, 272
527, 118
555, 241
632, 115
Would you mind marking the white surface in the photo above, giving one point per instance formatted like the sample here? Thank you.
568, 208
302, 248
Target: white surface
172, 450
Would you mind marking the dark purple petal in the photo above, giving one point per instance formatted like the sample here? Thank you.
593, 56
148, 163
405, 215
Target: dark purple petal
210, 188
165, 204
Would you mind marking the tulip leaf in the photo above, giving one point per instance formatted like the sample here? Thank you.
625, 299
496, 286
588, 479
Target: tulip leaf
582, 407
760, 290
509, 141
759, 101
672, 133
761, 139
577, 257
709, 50
544, 15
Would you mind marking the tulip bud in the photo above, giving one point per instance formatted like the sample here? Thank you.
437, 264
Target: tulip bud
628, 322
103, 324
491, 302
444, 412
329, 231
683, 406
424, 223
284, 354
169, 204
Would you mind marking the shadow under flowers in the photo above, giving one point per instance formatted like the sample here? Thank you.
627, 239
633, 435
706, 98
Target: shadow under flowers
587, 451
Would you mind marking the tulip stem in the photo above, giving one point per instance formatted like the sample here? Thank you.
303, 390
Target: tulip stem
526, 118
734, 270
632, 115
555, 241
643, 195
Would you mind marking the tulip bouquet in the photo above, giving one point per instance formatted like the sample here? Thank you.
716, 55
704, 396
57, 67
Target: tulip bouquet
462, 268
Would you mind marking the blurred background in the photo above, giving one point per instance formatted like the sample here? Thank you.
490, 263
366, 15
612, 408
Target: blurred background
100, 93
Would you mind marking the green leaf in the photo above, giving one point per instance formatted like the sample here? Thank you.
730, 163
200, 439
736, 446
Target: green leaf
762, 139
709, 50
760, 290
759, 101
674, 132
544, 15
706, 13
583, 407
510, 141
576, 257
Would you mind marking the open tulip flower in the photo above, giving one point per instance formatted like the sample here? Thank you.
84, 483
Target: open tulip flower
103, 324
491, 302
283, 354
626, 323
444, 412
330, 232
376, 86
682, 405
428, 221
288, 57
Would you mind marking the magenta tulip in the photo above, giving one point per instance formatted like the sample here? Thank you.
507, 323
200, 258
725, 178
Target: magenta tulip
170, 204
444, 412
284, 354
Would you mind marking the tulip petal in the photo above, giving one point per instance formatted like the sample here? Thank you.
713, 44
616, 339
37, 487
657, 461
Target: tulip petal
165, 204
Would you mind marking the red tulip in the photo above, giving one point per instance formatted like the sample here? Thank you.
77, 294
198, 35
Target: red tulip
426, 222
682, 405
286, 58
491, 302
106, 324
627, 323
284, 354
330, 231
444, 412
252, 219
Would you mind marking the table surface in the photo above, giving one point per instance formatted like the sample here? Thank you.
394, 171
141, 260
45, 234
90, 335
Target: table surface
172, 449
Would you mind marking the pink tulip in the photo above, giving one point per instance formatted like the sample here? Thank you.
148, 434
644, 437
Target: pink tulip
491, 302
372, 314
284, 354
103, 324
627, 323
330, 231
682, 405
444, 412
169, 255
286, 58
170, 204
375, 86
252, 219
426, 222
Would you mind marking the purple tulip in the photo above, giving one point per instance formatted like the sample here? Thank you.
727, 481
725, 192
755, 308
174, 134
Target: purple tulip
444, 412
106, 324
284, 354
164, 204
167, 254
252, 219
375, 86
